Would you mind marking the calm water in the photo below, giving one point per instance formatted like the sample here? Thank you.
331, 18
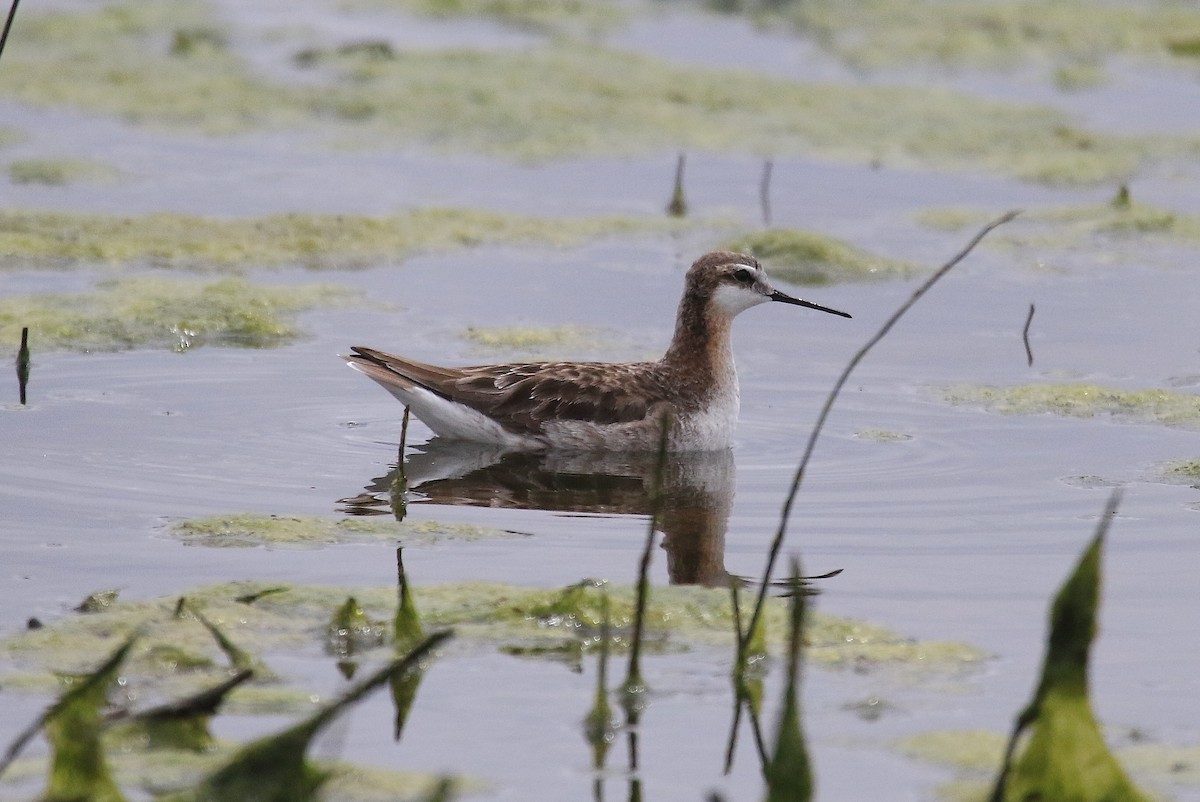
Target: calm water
962, 532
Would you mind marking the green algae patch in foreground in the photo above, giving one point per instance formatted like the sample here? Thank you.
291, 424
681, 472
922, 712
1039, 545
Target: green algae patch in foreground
973, 756
159, 312
155, 771
188, 760
178, 654
557, 100
807, 257
1164, 407
280, 531
59, 239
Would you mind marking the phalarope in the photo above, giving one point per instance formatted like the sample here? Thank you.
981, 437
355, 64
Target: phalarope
600, 405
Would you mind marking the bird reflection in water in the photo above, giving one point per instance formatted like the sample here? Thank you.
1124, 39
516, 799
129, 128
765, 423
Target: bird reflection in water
697, 493
696, 500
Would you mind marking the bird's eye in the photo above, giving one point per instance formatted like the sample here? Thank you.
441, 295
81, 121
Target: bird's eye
743, 276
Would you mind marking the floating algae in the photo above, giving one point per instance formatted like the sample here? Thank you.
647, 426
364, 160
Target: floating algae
545, 342
1181, 471
807, 257
181, 655
164, 239
161, 312
1164, 407
558, 17
551, 101
282, 531
525, 338
882, 436
1119, 222
884, 33
60, 172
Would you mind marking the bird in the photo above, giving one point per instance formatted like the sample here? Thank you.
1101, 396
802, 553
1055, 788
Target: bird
600, 406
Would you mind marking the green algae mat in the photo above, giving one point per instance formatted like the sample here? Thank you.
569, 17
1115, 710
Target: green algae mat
554, 100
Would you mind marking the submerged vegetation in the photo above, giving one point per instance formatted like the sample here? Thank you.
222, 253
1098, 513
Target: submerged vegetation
161, 312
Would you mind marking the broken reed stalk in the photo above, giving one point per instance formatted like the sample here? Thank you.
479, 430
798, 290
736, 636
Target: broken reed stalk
23, 364
633, 682
12, 13
777, 542
1025, 336
678, 205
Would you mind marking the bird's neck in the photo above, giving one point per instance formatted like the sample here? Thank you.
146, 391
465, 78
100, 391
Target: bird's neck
701, 351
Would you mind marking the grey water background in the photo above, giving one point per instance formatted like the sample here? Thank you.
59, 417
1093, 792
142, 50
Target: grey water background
963, 532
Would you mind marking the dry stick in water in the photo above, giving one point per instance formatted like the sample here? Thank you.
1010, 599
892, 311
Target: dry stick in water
12, 13
23, 364
777, 543
1025, 336
678, 205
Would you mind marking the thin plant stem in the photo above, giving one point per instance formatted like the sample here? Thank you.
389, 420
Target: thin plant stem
12, 13
399, 486
634, 680
403, 438
785, 514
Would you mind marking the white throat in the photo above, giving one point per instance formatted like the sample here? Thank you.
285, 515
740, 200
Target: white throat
732, 300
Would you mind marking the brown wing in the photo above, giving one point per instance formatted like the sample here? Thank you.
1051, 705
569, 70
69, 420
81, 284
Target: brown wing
521, 396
